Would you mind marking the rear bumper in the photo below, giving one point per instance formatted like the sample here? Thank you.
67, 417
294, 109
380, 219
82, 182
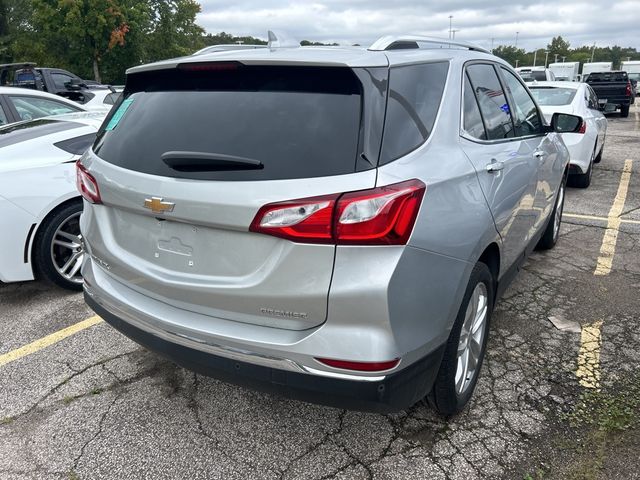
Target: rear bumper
387, 393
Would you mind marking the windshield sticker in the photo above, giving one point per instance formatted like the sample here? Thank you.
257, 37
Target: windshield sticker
122, 109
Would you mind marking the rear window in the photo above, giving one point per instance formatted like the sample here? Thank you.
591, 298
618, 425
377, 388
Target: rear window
297, 122
552, 96
536, 75
607, 77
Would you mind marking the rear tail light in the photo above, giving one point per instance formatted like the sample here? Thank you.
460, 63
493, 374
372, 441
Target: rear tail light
209, 66
628, 90
87, 185
583, 127
360, 366
380, 216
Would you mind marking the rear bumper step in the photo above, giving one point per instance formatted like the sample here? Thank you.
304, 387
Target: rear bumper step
393, 392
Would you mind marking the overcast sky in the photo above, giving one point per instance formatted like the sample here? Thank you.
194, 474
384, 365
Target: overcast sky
606, 22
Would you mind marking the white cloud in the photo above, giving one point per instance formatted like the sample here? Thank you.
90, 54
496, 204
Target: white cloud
362, 21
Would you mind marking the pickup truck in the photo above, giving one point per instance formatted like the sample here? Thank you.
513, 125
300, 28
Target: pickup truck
613, 89
52, 80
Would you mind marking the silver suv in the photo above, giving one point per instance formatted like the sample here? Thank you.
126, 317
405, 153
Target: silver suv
334, 224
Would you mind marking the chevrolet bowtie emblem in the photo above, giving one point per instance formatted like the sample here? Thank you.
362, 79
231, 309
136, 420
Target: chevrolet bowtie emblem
156, 205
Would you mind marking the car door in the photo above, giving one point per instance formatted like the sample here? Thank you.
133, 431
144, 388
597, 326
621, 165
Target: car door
543, 153
598, 117
504, 163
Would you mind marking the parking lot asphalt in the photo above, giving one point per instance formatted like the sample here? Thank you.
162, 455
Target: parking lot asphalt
90, 404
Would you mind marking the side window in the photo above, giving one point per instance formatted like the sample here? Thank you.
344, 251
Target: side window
3, 117
29, 108
525, 112
492, 101
59, 80
593, 99
414, 98
112, 98
472, 125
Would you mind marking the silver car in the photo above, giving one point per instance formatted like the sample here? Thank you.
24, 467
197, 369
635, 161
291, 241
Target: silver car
334, 224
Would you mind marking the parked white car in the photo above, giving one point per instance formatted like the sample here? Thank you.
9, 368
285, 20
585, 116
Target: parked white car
39, 204
535, 74
102, 100
586, 147
19, 104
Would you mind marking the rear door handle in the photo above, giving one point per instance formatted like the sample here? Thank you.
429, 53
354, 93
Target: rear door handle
495, 166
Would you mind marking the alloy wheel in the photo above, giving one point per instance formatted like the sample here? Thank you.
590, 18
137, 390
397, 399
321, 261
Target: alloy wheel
471, 338
67, 252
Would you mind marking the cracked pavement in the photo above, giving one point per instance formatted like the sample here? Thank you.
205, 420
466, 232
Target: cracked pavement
97, 406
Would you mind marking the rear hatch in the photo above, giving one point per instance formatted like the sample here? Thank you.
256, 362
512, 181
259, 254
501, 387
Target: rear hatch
191, 154
609, 86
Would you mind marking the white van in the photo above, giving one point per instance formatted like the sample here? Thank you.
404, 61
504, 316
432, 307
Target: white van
565, 71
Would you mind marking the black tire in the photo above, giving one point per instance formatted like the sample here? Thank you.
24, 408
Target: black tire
624, 111
43, 250
598, 158
583, 180
444, 396
551, 233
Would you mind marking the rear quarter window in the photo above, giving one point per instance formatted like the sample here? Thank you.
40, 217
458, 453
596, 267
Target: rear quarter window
415, 93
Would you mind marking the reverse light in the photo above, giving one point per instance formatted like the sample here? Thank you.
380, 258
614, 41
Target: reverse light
379, 216
360, 366
87, 185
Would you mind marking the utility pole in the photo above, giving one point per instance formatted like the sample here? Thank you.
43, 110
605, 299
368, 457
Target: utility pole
516, 63
535, 55
492, 39
556, 55
593, 49
517, 33
450, 23
546, 57
453, 37
563, 59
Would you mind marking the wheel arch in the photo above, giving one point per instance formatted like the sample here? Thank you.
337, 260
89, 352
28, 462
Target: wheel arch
31, 241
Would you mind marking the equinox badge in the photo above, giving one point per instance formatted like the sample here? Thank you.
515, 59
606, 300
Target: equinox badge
156, 205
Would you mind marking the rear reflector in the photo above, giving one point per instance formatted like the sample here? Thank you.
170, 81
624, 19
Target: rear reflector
360, 366
87, 185
380, 216
583, 127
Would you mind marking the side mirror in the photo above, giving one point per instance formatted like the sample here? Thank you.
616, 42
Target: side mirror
565, 123
75, 85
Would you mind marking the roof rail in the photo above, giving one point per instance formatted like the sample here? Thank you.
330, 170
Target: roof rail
391, 42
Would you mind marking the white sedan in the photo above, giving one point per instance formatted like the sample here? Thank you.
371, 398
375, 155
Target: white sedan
586, 147
40, 206
19, 104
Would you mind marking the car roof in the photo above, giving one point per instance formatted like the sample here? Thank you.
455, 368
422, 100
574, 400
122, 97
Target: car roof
573, 85
37, 93
340, 56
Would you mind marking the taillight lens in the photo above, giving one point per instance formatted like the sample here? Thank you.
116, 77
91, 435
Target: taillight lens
380, 216
628, 90
308, 220
87, 185
360, 366
583, 127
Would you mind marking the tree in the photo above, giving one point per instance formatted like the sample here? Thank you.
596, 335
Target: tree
558, 46
172, 31
90, 29
509, 53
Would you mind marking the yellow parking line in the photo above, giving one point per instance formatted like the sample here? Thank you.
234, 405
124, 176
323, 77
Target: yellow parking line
608, 248
44, 342
589, 356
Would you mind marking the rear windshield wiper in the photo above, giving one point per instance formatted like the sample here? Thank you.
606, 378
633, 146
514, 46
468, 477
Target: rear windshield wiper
208, 162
